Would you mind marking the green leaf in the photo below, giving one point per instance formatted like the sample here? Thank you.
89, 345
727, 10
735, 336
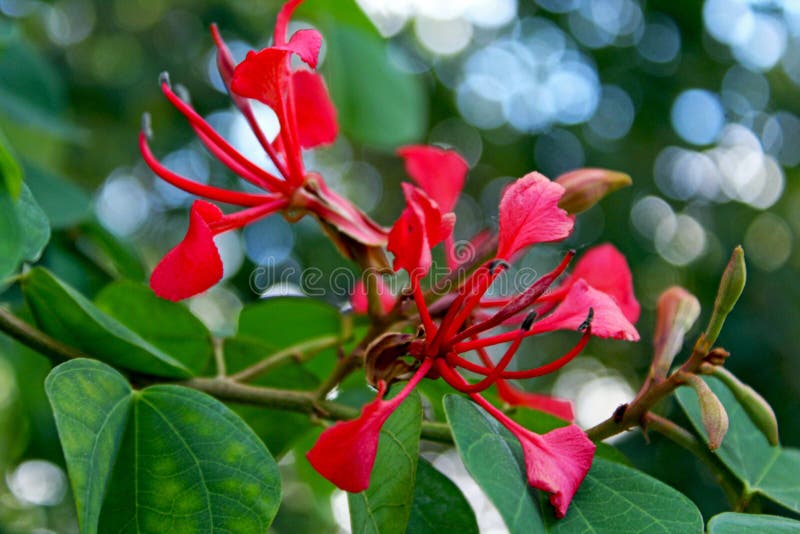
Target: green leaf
11, 240
734, 523
167, 325
189, 464
281, 322
385, 507
613, 497
63, 313
493, 457
65, 203
770, 471
278, 429
115, 257
10, 171
90, 401
357, 59
439, 506
182, 461
35, 225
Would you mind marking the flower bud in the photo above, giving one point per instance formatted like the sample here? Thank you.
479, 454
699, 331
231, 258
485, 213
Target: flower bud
757, 408
712, 412
730, 288
586, 187
383, 361
676, 312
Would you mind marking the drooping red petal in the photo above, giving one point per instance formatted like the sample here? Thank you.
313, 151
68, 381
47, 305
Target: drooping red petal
607, 321
345, 452
306, 44
314, 111
360, 301
263, 76
440, 173
544, 403
605, 268
420, 227
529, 214
194, 265
282, 20
556, 462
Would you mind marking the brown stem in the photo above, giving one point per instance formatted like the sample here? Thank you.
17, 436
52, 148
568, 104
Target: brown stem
298, 352
34, 338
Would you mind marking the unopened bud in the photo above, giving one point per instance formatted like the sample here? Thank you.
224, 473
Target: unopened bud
712, 412
757, 408
676, 312
730, 288
586, 187
717, 356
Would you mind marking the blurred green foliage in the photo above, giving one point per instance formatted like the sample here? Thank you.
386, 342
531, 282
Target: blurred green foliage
70, 111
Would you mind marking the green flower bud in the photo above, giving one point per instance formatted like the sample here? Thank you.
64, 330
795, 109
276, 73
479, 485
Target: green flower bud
586, 187
730, 288
757, 408
712, 412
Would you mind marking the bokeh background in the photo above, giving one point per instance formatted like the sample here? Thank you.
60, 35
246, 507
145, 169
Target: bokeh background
696, 100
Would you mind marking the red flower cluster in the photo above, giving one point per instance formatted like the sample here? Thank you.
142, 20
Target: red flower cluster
307, 119
596, 299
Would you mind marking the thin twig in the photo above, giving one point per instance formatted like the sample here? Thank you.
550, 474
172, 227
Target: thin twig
299, 352
34, 338
219, 357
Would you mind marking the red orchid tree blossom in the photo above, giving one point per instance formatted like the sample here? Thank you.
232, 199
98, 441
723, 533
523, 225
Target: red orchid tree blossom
558, 461
307, 119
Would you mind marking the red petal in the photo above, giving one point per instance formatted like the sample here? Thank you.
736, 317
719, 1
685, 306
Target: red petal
544, 403
306, 44
345, 452
420, 227
360, 300
605, 268
194, 265
440, 173
282, 20
314, 111
608, 320
557, 462
263, 76
529, 214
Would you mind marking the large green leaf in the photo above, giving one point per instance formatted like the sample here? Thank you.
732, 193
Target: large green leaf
11, 239
65, 203
613, 498
771, 471
10, 171
733, 523
278, 429
494, 458
385, 507
439, 506
62, 312
167, 325
90, 401
189, 464
182, 461
282, 322
363, 80
34, 224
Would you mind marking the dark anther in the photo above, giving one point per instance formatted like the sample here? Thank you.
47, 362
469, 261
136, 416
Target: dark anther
619, 413
588, 322
163, 78
147, 129
528, 322
494, 264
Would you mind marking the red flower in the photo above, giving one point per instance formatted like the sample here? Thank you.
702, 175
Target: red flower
307, 118
556, 462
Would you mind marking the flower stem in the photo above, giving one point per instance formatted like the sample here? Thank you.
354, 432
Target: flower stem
35, 338
299, 352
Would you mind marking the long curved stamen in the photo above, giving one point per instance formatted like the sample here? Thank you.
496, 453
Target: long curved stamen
555, 365
219, 143
190, 186
241, 218
424, 314
521, 302
226, 62
497, 372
